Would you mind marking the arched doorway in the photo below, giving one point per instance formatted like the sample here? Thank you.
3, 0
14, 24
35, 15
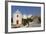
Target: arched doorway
17, 21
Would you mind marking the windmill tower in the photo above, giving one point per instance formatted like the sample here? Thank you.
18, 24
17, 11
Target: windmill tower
17, 18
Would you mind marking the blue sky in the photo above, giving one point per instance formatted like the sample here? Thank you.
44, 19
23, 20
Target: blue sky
35, 11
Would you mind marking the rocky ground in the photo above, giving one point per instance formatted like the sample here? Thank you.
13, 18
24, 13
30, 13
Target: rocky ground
31, 24
34, 21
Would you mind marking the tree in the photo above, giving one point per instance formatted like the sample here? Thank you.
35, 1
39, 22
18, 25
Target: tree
24, 21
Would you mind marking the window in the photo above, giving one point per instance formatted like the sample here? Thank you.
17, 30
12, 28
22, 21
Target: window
17, 15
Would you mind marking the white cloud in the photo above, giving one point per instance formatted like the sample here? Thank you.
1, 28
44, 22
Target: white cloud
24, 16
29, 15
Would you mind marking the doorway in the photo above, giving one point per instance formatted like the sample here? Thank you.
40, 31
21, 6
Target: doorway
17, 22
